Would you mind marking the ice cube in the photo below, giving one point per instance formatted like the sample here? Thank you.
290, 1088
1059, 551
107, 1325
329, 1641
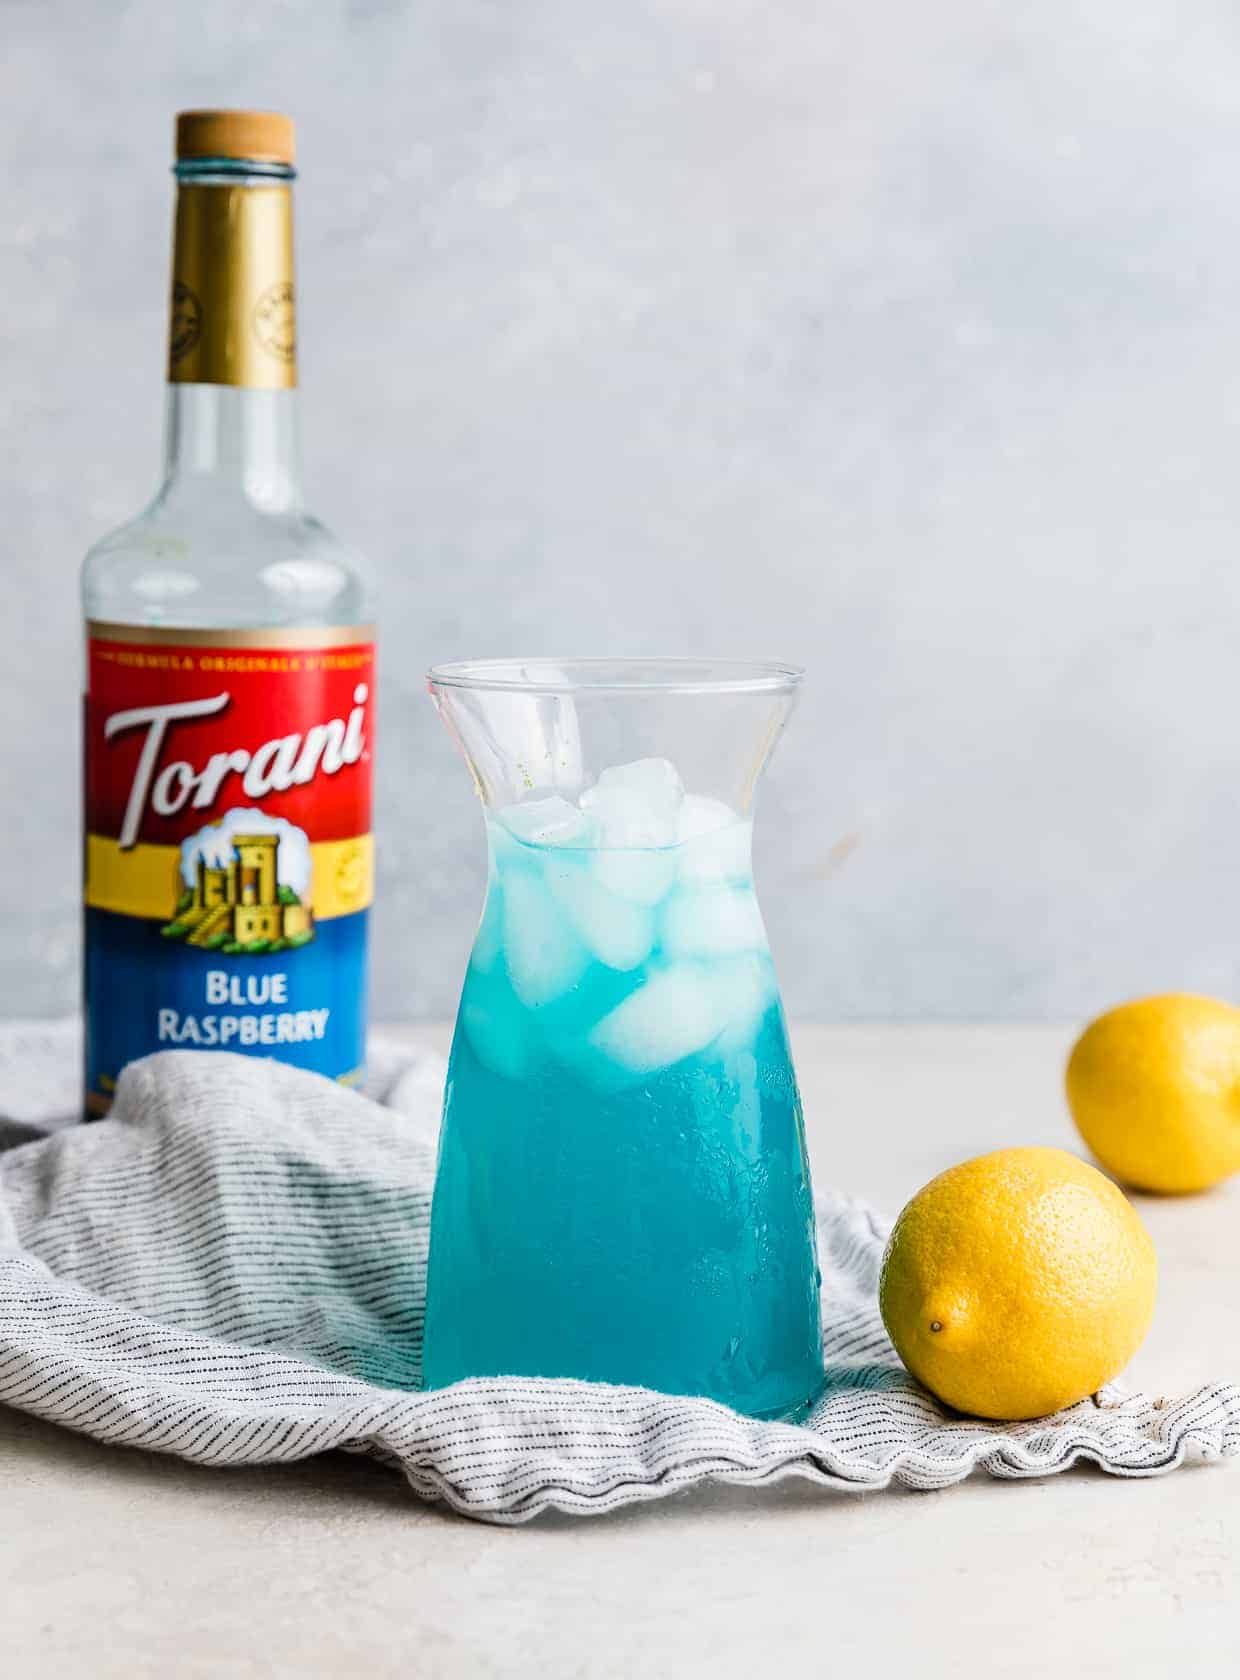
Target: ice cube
636, 805
547, 822
676, 1013
745, 989
616, 930
498, 1031
488, 939
545, 956
643, 877
713, 922
715, 842
702, 815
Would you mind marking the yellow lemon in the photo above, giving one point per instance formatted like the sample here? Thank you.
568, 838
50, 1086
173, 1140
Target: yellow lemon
1154, 1088
1017, 1283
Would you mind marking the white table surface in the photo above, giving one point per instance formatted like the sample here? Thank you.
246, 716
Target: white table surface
120, 1563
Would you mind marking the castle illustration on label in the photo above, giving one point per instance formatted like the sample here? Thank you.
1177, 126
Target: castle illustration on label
240, 906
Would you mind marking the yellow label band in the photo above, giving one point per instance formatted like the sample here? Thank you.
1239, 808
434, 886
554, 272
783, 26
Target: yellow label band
146, 880
232, 319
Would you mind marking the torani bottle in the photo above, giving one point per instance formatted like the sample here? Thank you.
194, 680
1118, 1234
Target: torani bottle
229, 721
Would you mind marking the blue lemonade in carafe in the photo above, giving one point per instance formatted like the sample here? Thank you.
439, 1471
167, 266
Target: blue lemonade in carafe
623, 1193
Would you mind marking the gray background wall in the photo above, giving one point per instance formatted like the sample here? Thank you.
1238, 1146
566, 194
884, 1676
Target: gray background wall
899, 339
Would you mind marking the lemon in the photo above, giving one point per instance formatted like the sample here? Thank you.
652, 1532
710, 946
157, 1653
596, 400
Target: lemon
1154, 1088
1017, 1283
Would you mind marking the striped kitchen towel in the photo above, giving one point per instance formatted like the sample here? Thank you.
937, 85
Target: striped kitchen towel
232, 1268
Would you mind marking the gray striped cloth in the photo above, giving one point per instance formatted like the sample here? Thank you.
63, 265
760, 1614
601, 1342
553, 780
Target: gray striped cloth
231, 1268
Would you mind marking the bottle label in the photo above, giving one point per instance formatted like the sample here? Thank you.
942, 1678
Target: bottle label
229, 860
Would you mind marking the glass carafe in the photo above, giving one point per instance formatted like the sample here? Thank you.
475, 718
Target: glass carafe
623, 1192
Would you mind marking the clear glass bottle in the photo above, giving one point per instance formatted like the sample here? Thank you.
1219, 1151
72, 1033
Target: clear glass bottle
227, 558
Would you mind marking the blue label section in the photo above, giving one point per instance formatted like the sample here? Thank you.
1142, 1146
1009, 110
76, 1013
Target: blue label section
146, 993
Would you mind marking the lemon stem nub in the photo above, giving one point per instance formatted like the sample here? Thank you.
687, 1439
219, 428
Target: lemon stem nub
935, 1325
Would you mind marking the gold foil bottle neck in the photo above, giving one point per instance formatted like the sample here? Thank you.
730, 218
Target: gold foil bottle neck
232, 318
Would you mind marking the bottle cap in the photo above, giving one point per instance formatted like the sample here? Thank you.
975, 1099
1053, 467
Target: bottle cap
249, 136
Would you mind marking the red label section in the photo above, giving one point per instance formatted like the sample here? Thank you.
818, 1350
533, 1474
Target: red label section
177, 733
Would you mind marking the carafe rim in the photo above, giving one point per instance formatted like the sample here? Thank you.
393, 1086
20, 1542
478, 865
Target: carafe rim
654, 675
